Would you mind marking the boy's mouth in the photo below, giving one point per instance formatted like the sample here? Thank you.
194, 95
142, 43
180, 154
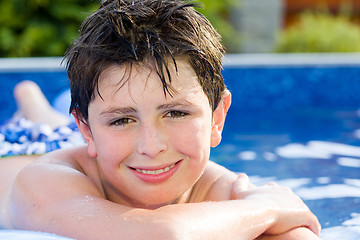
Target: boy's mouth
156, 175
155, 172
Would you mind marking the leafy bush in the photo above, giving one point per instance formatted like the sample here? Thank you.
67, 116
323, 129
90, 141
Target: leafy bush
320, 32
40, 27
30, 28
219, 14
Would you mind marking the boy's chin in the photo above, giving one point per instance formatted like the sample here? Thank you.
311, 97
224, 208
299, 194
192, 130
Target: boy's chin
155, 206
152, 205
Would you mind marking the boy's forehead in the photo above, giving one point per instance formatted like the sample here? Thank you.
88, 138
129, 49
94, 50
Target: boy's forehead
139, 76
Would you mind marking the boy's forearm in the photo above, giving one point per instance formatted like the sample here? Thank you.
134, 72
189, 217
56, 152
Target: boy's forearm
236, 219
100, 219
72, 206
92, 217
300, 233
178, 223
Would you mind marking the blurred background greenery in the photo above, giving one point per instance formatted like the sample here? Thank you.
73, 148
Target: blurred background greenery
321, 30
32, 28
219, 14
40, 27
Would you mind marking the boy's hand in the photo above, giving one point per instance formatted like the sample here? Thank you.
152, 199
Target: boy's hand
290, 210
241, 184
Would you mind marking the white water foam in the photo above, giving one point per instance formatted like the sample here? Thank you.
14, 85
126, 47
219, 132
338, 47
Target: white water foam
350, 229
348, 162
341, 232
328, 191
297, 150
350, 188
247, 155
349, 155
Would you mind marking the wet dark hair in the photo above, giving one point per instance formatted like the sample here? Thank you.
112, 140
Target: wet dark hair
138, 31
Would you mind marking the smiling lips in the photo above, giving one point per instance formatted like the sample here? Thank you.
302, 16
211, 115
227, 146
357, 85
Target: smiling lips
156, 175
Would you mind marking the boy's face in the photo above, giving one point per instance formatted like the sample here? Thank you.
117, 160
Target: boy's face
150, 148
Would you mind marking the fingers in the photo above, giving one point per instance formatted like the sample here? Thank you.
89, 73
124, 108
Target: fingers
315, 227
241, 184
272, 184
292, 212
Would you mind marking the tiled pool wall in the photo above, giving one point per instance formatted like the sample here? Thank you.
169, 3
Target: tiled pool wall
287, 86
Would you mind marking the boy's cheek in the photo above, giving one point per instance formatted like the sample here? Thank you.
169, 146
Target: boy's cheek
194, 144
114, 148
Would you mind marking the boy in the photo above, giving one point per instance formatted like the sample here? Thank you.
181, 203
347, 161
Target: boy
149, 100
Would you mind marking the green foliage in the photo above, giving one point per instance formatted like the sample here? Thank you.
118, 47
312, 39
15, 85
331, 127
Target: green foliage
219, 14
30, 28
40, 27
320, 32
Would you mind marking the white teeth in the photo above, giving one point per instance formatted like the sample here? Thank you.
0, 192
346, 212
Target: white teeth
155, 172
159, 171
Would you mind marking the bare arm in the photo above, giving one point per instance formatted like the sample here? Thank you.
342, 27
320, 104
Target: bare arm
68, 203
294, 234
241, 188
62, 200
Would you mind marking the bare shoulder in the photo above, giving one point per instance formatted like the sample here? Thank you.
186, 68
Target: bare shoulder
60, 167
73, 160
9, 169
69, 157
51, 180
214, 185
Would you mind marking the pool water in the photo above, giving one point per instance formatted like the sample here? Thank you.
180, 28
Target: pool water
295, 124
300, 127
323, 171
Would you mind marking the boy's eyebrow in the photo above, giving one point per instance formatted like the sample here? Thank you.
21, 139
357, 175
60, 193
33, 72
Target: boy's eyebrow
183, 102
128, 110
125, 110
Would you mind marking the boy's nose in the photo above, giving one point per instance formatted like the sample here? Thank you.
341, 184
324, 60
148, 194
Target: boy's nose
151, 141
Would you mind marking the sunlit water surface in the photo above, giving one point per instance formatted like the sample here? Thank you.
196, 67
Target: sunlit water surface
323, 170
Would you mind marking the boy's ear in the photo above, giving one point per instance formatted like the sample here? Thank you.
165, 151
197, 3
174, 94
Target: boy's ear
219, 116
86, 133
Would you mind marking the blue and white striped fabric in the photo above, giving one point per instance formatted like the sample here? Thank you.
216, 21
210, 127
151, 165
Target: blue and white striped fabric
20, 136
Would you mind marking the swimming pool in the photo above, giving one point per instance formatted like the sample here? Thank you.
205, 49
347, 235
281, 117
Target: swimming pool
294, 120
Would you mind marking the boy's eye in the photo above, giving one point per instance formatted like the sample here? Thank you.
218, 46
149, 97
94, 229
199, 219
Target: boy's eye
121, 122
176, 114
